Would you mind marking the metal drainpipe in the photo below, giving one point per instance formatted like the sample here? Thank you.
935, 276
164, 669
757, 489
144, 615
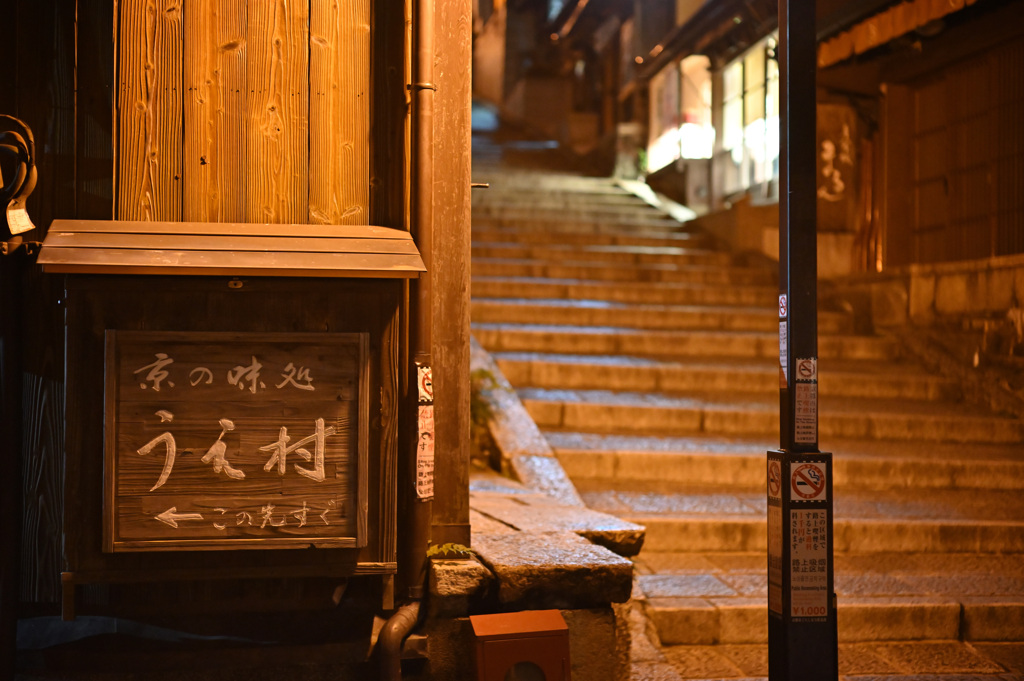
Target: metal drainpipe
391, 636
418, 497
420, 492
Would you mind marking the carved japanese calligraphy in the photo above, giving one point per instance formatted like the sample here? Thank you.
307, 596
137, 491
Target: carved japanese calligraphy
233, 439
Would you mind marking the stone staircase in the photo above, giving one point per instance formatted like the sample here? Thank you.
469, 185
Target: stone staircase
649, 359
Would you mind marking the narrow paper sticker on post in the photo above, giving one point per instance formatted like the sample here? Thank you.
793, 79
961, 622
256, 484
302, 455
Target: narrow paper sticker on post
784, 349
425, 453
806, 413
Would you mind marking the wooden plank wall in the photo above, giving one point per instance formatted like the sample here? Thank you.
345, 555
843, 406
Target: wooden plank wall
236, 111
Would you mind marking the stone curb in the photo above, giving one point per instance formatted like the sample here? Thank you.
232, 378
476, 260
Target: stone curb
525, 452
537, 538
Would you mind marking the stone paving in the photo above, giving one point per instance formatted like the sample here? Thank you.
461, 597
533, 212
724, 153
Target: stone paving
648, 359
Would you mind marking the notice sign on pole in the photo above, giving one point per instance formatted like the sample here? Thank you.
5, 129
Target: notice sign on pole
800, 571
235, 440
809, 564
775, 530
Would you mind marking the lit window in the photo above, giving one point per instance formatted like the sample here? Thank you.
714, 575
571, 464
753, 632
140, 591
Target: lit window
750, 120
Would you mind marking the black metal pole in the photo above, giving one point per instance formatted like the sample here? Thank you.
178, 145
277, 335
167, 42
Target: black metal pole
802, 633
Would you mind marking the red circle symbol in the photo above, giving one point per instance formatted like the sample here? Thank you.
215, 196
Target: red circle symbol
809, 481
774, 478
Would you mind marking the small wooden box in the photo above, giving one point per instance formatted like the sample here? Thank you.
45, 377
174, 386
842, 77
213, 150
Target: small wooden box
531, 645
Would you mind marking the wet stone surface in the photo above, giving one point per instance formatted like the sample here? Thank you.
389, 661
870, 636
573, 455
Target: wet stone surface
559, 570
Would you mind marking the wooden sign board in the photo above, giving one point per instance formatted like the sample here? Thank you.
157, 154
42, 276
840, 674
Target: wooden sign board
235, 440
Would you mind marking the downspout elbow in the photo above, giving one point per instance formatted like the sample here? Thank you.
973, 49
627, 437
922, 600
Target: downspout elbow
396, 630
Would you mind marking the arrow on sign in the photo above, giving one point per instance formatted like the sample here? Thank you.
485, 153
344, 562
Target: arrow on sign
171, 516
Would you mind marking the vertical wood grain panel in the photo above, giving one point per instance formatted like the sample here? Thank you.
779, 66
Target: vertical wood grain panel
451, 244
339, 69
277, 143
214, 144
199, 110
390, 403
230, 83
214, 87
42, 489
166, 157
149, 110
133, 201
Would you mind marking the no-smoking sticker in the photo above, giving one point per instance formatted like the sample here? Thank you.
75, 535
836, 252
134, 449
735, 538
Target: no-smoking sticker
807, 369
426, 384
783, 306
774, 479
808, 482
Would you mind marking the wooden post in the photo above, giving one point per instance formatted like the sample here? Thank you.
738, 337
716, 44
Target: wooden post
452, 104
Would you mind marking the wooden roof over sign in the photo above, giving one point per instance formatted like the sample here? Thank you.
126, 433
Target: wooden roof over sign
232, 249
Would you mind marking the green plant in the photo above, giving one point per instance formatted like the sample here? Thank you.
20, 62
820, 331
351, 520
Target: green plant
481, 382
481, 412
450, 550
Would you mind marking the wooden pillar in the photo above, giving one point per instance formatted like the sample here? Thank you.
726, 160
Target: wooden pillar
451, 248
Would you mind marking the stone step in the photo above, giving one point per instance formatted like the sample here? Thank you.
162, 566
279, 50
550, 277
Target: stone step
604, 206
557, 223
692, 519
728, 533
748, 414
857, 464
721, 598
507, 187
636, 374
639, 316
603, 253
548, 184
898, 660
581, 239
654, 272
591, 340
526, 197
653, 293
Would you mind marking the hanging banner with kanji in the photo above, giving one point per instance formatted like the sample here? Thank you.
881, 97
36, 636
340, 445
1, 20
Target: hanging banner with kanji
235, 440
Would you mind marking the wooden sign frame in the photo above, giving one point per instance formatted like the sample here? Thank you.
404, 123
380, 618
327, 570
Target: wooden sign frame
238, 489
